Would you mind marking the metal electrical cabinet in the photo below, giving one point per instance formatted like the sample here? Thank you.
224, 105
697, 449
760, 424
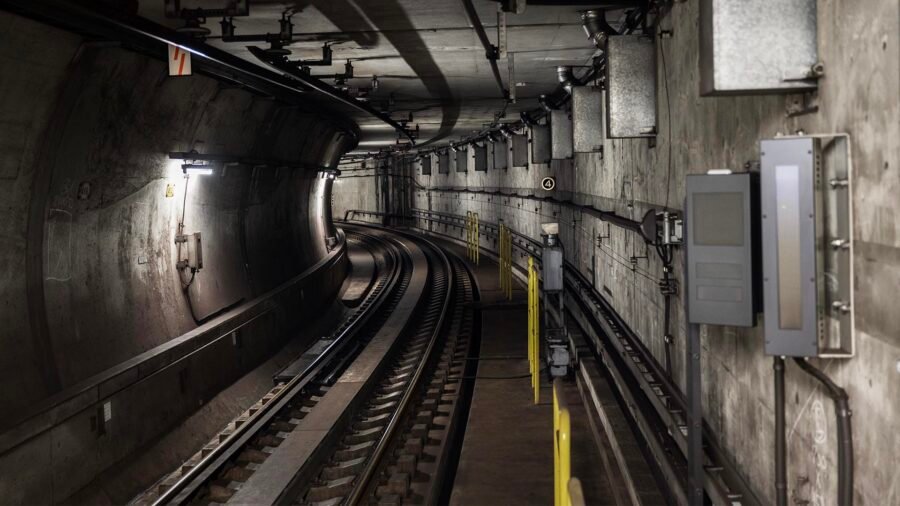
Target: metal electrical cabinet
560, 135
722, 238
425, 163
540, 143
631, 82
757, 46
588, 125
462, 160
480, 158
519, 150
500, 152
807, 246
444, 162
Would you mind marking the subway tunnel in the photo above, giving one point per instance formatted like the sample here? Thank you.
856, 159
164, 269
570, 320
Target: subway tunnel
474, 252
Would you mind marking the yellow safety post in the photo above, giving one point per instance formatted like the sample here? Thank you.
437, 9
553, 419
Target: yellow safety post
469, 235
476, 248
562, 447
534, 331
508, 244
502, 263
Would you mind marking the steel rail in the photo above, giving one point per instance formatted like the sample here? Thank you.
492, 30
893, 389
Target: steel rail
361, 484
182, 491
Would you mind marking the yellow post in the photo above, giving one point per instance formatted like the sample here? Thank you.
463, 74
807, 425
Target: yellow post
534, 331
469, 234
476, 248
562, 447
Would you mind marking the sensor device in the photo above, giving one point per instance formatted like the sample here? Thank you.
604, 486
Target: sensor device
722, 238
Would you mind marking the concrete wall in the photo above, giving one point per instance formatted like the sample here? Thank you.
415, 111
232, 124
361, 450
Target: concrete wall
91, 204
859, 95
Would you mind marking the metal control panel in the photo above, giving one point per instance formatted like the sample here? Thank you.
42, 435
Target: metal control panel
462, 160
519, 150
757, 46
500, 153
480, 158
807, 246
561, 135
540, 144
722, 238
425, 163
631, 81
588, 118
444, 162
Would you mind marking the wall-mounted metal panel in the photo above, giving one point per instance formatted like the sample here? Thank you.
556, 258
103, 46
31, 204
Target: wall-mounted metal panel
722, 237
561, 135
520, 150
540, 144
501, 154
807, 246
757, 46
425, 164
631, 87
480, 158
588, 120
444, 162
462, 160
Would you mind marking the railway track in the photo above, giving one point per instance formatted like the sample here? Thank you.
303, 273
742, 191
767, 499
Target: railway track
370, 419
397, 448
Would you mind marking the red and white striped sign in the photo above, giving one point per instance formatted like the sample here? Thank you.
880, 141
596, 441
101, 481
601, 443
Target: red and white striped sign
179, 61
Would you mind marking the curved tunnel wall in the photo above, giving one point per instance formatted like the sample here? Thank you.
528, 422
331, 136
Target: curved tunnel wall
91, 203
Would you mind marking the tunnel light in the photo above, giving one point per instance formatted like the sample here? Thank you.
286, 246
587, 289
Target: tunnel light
197, 169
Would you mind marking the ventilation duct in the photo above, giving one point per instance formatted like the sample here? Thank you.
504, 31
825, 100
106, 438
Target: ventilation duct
566, 79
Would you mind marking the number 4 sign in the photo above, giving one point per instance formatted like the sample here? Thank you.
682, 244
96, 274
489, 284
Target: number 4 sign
179, 61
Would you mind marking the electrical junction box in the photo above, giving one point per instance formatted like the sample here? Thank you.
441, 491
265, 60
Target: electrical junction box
588, 119
631, 86
540, 144
444, 162
561, 135
757, 46
807, 218
425, 163
722, 241
551, 259
462, 160
480, 155
500, 153
520, 150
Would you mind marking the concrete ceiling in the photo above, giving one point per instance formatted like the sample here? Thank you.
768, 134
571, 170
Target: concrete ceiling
428, 58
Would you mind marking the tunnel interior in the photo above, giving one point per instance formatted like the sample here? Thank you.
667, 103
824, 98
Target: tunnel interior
217, 212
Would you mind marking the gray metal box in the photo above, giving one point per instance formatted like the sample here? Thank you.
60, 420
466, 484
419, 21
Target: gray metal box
540, 144
462, 160
500, 153
808, 246
588, 128
444, 163
425, 163
631, 87
552, 269
561, 135
480, 154
519, 150
789, 245
722, 238
757, 46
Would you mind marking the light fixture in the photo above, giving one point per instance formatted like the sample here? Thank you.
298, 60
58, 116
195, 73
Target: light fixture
196, 169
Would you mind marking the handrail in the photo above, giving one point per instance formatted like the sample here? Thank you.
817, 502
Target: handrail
534, 329
562, 447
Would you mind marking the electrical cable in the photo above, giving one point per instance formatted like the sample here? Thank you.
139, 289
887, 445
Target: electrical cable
662, 53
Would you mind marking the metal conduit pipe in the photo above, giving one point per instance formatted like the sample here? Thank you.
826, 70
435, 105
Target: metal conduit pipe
845, 431
490, 51
780, 444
